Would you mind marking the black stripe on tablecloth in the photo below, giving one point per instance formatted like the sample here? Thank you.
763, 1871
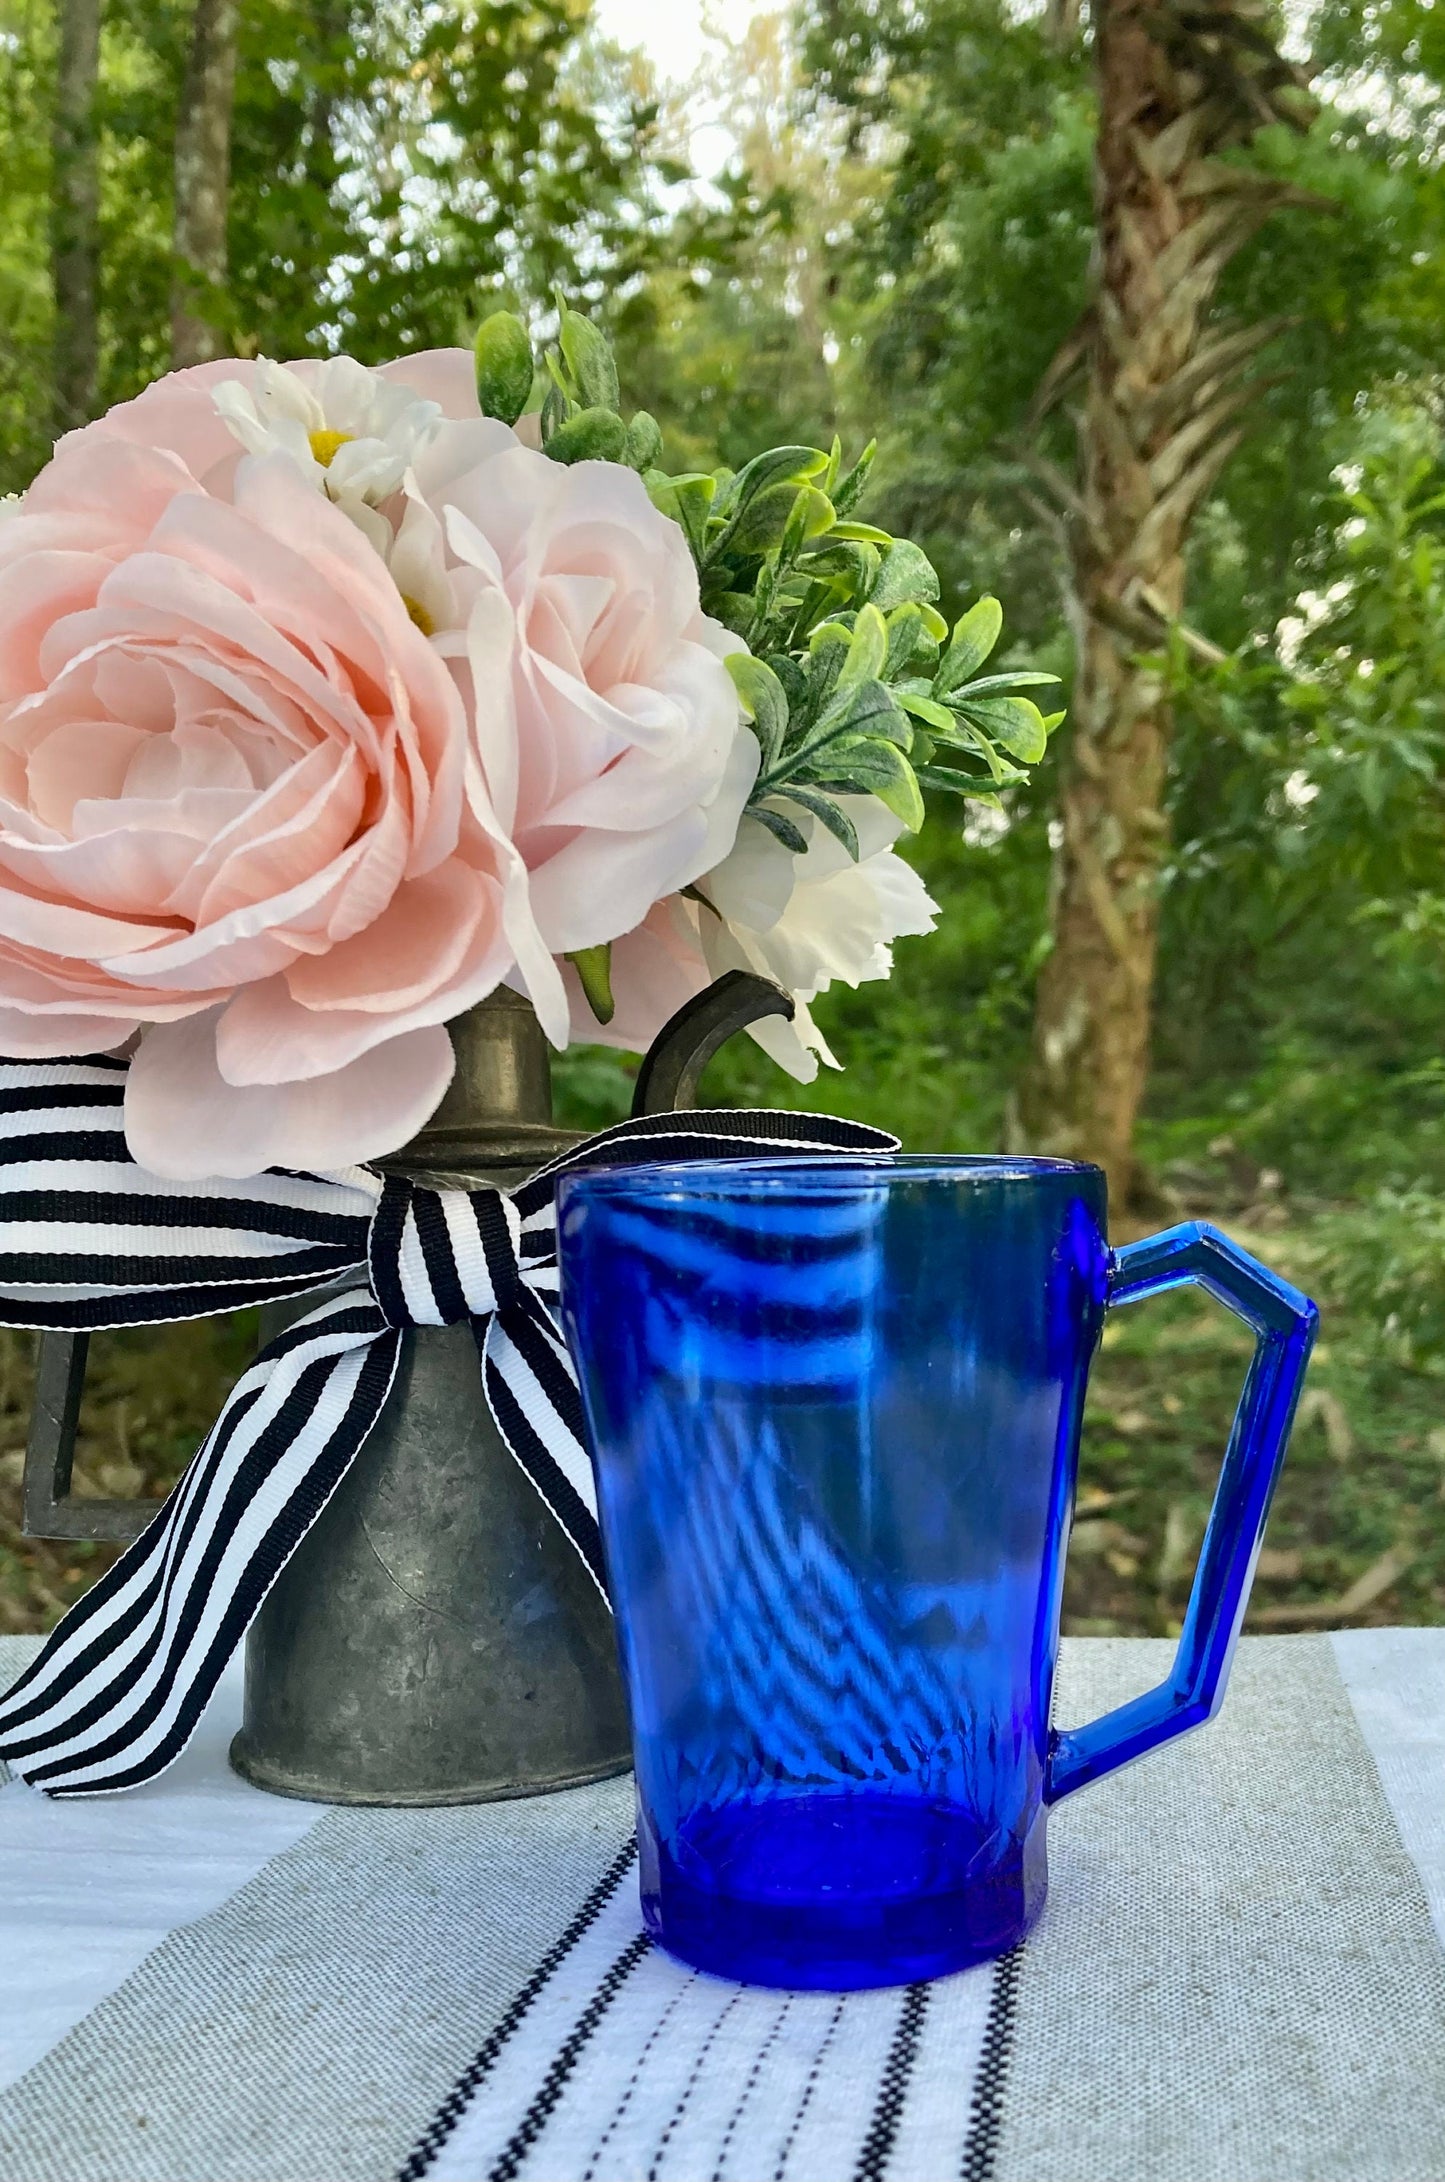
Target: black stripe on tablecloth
980, 2152
554, 2083
41, 1144
750, 2084
815, 2070
457, 2100
877, 2147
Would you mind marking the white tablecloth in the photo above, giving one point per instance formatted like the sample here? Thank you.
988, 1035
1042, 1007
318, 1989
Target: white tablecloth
1240, 1975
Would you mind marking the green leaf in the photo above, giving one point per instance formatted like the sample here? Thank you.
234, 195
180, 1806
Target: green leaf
794, 465
876, 711
556, 407
947, 780
829, 634
793, 676
927, 709
781, 828
687, 499
736, 610
827, 650
905, 628
812, 516
760, 525
644, 442
505, 369
828, 814
867, 533
973, 639
1014, 722
845, 494
880, 769
592, 435
906, 574
588, 356
846, 561
869, 709
1028, 678
763, 699
867, 651
594, 968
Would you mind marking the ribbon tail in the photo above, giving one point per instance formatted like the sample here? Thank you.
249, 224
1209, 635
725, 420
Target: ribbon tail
120, 1687
531, 1389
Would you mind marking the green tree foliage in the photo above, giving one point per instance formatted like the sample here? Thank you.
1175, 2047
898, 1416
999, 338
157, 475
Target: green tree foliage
393, 167
902, 244
966, 266
1305, 910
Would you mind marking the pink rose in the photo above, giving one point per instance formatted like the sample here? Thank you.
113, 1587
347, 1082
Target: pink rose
325, 706
609, 768
605, 724
232, 811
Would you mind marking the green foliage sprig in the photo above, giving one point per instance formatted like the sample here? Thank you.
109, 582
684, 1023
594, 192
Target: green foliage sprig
853, 681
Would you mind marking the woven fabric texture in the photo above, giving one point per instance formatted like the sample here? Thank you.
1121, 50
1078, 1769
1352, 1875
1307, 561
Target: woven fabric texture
1235, 1979
1237, 1976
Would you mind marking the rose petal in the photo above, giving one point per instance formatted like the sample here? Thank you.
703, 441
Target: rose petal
270, 1035
25, 1037
183, 1119
447, 377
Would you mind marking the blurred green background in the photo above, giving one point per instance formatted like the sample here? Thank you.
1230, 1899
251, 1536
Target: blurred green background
878, 217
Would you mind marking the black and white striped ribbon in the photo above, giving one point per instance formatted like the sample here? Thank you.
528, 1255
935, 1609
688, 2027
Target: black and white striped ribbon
89, 1239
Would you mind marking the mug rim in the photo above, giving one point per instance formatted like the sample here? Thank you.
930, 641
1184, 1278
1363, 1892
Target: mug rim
843, 1172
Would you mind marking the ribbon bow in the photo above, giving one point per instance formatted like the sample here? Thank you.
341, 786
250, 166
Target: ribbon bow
89, 1239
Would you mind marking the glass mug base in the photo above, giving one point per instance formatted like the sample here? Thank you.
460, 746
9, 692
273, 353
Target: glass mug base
836, 1891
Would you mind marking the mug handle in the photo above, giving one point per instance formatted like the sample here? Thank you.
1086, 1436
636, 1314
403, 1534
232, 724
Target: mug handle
1284, 1323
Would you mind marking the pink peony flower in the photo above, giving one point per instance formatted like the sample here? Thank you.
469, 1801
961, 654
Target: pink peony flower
232, 810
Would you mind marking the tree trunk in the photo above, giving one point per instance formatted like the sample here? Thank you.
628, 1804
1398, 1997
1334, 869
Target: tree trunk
1164, 389
74, 215
203, 184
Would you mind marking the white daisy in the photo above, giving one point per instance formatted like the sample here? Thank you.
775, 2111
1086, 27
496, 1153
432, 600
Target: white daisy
354, 433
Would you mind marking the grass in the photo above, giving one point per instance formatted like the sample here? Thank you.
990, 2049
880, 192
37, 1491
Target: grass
1357, 1534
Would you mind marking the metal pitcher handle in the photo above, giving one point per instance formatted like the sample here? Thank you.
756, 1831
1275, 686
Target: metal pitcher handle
668, 1078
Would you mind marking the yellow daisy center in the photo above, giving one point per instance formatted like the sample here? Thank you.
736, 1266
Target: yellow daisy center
325, 444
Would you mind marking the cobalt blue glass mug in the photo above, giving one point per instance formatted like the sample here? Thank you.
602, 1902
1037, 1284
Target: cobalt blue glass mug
834, 1408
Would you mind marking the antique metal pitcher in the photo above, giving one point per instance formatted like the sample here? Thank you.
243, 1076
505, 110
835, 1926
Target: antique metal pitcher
434, 1639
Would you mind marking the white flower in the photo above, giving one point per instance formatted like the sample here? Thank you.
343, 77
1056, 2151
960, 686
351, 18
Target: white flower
808, 921
354, 433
